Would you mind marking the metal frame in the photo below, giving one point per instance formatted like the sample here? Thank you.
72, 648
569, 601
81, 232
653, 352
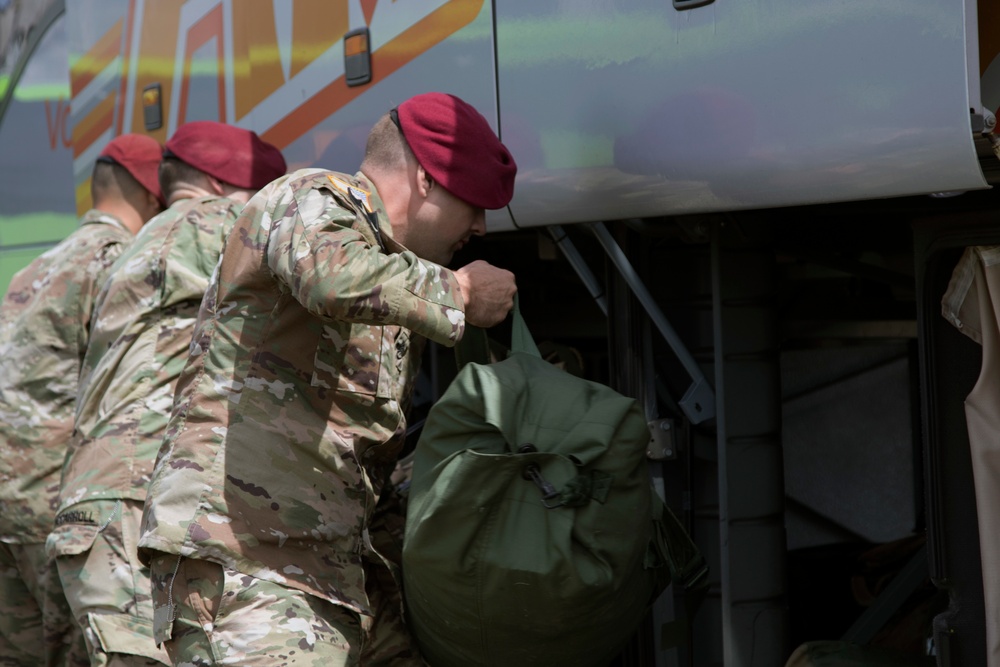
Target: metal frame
34, 37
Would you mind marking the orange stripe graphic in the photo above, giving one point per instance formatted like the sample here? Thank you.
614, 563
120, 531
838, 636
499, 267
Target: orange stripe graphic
368, 9
156, 45
417, 39
83, 201
96, 123
94, 61
208, 27
256, 62
311, 37
123, 88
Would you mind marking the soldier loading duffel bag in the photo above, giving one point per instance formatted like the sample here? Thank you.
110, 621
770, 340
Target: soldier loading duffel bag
533, 534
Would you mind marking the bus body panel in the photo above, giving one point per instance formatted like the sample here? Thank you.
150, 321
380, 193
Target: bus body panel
612, 110
636, 110
274, 67
37, 208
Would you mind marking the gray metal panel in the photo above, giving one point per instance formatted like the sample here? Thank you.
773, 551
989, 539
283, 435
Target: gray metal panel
634, 109
838, 402
748, 424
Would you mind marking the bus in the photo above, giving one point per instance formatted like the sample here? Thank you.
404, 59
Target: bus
743, 214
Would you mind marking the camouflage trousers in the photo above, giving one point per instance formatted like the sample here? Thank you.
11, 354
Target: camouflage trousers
94, 547
36, 626
223, 617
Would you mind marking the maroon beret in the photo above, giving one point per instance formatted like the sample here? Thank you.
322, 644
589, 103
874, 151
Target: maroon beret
456, 146
140, 156
231, 154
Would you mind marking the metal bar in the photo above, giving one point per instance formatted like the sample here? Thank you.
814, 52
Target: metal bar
889, 601
35, 36
580, 266
698, 402
750, 463
853, 267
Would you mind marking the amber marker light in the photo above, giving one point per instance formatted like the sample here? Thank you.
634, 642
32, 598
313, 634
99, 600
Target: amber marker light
152, 108
357, 57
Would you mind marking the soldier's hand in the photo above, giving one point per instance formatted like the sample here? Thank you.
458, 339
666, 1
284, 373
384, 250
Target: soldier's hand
488, 291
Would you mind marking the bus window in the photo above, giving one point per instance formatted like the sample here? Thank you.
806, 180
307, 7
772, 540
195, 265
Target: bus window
38, 206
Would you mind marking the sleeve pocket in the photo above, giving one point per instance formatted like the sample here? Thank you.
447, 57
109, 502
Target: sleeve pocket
71, 539
353, 365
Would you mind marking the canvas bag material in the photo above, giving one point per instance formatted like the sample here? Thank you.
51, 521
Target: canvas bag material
533, 536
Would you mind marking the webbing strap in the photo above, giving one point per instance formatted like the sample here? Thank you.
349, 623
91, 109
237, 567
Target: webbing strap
475, 345
521, 340
688, 574
689, 593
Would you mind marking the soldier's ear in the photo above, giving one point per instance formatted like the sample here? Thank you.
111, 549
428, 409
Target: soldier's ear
215, 185
153, 202
425, 183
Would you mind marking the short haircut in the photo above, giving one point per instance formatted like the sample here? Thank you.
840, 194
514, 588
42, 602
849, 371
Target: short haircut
110, 179
386, 147
173, 172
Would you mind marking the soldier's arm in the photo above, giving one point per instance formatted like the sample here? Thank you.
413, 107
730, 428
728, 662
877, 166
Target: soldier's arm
337, 272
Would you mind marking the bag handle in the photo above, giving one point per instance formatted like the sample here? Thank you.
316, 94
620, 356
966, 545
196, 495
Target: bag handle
475, 346
521, 340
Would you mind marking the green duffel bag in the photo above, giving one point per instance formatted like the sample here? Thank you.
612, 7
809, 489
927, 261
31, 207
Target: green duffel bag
533, 534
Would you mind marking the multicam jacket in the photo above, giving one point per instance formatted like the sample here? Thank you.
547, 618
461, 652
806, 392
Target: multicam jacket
44, 323
139, 342
289, 414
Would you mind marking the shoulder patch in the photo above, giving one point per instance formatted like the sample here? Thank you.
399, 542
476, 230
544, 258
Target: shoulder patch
355, 193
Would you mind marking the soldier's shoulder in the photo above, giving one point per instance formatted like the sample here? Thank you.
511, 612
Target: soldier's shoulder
156, 228
86, 241
214, 205
308, 190
304, 180
101, 236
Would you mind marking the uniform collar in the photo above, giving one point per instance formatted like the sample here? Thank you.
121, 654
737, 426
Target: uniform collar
95, 216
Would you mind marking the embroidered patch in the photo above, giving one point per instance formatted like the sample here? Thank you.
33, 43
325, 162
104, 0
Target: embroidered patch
75, 516
361, 196
356, 193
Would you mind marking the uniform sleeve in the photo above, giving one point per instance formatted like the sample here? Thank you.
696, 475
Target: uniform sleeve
104, 259
317, 250
94, 280
960, 303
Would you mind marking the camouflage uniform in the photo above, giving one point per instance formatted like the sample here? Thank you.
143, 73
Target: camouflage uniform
138, 345
44, 323
290, 414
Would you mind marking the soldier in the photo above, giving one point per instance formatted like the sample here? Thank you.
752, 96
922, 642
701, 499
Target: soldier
290, 412
44, 322
139, 342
